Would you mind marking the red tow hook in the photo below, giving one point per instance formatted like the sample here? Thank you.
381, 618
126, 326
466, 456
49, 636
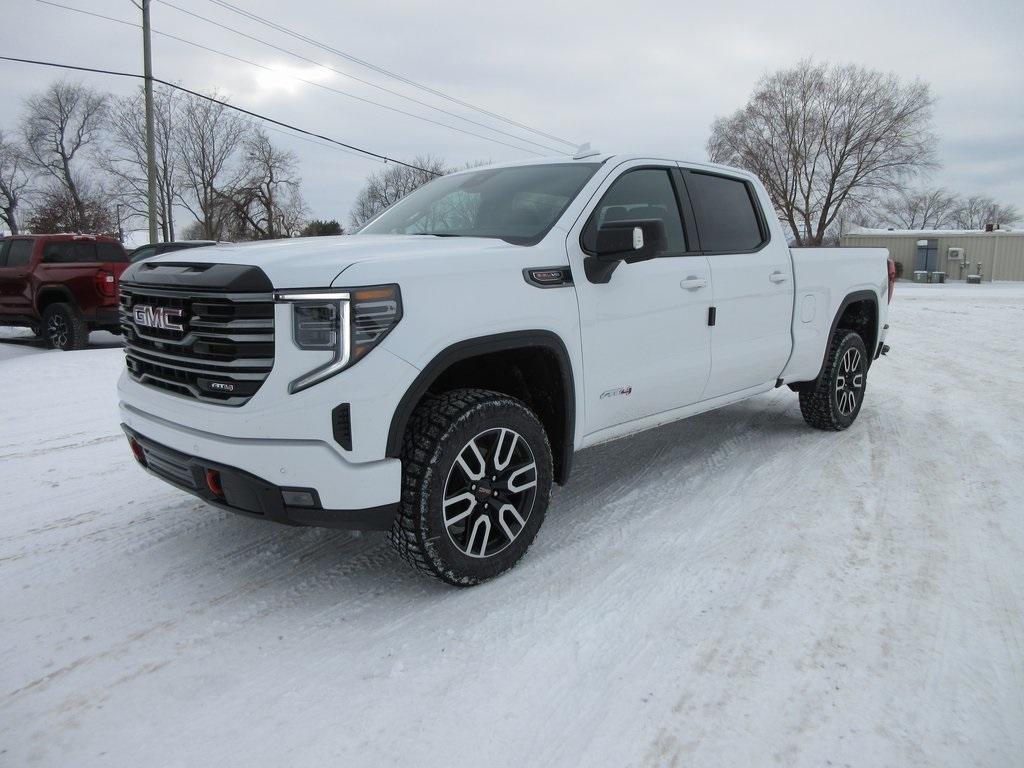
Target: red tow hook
137, 450
213, 483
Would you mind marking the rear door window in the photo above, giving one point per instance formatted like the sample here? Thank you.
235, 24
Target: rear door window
69, 252
726, 217
19, 253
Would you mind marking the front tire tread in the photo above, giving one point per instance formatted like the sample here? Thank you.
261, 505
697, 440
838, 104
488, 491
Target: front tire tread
433, 418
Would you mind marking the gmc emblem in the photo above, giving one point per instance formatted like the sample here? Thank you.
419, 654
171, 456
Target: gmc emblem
157, 317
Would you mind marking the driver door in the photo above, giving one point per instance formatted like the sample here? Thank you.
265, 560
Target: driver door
645, 334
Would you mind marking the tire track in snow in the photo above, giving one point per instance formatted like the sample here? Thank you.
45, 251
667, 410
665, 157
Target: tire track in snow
58, 448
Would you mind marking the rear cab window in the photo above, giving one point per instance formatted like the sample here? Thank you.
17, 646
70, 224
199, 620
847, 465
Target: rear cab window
69, 252
727, 215
111, 252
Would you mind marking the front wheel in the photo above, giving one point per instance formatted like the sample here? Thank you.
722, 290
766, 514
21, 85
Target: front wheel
476, 477
837, 396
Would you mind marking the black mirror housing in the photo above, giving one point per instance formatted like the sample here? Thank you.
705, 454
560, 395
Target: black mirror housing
628, 241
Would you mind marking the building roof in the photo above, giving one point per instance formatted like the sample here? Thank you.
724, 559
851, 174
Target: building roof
865, 232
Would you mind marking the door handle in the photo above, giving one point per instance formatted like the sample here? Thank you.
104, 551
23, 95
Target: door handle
692, 283
778, 277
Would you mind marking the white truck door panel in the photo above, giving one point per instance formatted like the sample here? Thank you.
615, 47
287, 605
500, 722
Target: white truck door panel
752, 336
645, 335
752, 284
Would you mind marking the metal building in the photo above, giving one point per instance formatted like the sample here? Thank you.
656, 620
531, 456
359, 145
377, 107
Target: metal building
997, 255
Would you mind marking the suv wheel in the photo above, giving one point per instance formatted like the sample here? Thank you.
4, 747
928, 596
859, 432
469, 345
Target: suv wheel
476, 477
836, 399
64, 328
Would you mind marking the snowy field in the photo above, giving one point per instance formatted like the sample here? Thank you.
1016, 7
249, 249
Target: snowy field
732, 590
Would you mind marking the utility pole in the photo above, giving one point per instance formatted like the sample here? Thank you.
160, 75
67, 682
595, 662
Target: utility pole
147, 54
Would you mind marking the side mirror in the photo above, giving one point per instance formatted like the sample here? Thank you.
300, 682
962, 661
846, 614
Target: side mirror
628, 241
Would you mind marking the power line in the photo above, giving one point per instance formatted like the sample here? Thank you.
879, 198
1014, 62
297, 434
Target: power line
343, 145
323, 46
350, 76
293, 77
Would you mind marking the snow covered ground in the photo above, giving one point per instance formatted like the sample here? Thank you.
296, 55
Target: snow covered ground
735, 589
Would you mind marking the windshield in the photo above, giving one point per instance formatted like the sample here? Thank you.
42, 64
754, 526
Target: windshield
518, 204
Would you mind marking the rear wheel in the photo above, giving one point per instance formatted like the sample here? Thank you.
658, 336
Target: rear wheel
836, 399
64, 328
476, 476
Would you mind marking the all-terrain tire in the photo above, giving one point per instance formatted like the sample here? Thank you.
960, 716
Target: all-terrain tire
838, 394
64, 328
434, 461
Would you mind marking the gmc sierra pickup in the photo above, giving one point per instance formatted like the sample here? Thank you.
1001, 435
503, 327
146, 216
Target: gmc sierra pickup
433, 374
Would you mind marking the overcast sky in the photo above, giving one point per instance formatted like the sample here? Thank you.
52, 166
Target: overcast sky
624, 76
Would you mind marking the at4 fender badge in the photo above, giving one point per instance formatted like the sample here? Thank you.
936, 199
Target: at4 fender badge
617, 391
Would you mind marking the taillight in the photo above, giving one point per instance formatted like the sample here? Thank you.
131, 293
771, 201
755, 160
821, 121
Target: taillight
892, 278
106, 284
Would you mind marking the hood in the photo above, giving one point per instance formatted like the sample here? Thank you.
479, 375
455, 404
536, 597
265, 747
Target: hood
315, 262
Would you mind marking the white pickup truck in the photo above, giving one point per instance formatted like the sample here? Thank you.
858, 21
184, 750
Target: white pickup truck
433, 374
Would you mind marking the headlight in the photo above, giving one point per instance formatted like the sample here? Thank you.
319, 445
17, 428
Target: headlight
316, 326
348, 323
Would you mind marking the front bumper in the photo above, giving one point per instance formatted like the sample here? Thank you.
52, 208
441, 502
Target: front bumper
301, 460
239, 491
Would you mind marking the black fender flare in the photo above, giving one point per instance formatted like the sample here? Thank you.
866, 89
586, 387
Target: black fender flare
53, 288
864, 295
481, 345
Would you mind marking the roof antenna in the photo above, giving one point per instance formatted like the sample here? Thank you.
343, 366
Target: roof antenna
584, 151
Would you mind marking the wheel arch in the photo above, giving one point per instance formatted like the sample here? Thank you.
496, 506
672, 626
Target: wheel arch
855, 302
474, 362
53, 294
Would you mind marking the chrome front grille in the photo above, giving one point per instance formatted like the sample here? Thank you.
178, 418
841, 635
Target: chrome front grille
222, 353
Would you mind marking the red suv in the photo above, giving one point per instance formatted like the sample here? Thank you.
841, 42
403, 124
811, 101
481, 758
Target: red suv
61, 286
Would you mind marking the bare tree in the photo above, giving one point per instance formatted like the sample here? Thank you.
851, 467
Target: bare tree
194, 231
975, 211
859, 213
61, 128
57, 211
921, 209
208, 138
125, 157
15, 178
822, 137
269, 201
389, 185
292, 213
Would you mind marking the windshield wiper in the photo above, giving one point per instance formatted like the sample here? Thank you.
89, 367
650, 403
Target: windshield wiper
436, 234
